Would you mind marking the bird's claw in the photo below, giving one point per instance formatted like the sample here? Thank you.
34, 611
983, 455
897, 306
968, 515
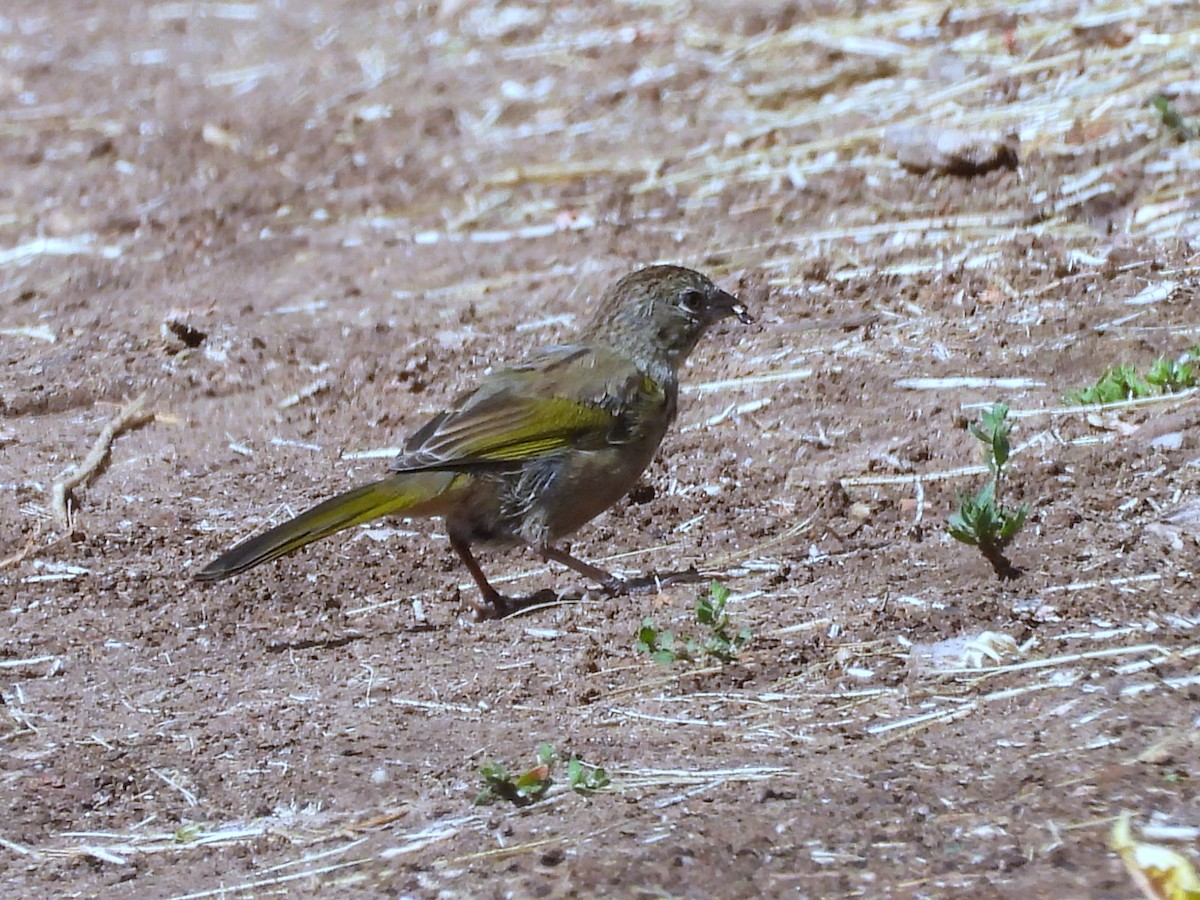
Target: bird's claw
500, 606
493, 606
652, 583
615, 587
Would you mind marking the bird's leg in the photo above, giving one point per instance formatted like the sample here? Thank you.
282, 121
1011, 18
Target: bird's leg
494, 603
611, 583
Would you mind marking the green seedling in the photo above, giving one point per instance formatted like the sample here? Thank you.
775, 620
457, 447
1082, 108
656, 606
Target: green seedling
662, 646
1172, 119
710, 613
584, 778
187, 834
1116, 384
531, 785
520, 790
666, 648
1171, 376
982, 520
1124, 382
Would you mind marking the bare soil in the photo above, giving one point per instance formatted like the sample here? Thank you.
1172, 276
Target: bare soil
304, 227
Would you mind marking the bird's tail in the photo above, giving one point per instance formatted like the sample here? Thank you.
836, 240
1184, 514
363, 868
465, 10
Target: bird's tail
415, 493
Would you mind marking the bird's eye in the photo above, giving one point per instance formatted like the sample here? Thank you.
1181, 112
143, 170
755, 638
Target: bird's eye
692, 302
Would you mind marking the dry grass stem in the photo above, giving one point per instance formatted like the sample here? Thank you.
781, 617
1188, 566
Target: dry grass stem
130, 416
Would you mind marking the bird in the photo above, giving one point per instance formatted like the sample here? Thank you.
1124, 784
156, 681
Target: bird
539, 448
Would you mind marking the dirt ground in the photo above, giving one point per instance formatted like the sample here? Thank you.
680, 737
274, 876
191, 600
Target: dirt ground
304, 227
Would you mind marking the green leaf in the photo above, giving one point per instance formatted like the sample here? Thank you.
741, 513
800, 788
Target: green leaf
993, 432
585, 778
976, 520
985, 498
1116, 384
648, 638
186, 834
534, 783
497, 784
1171, 117
1014, 520
1170, 376
493, 771
993, 419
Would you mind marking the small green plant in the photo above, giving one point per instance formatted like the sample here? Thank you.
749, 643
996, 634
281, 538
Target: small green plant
662, 646
1124, 382
983, 520
1170, 376
710, 612
531, 785
1116, 384
666, 648
584, 778
187, 834
1172, 119
520, 790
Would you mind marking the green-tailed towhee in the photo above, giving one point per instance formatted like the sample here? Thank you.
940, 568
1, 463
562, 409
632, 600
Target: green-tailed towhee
537, 449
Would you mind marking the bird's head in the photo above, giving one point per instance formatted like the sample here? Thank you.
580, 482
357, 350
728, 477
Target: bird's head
658, 314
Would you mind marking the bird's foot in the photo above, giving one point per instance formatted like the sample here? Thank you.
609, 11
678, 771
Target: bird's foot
498, 606
615, 587
652, 583
494, 605
491, 606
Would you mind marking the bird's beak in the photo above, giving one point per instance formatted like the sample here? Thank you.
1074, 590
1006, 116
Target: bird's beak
724, 304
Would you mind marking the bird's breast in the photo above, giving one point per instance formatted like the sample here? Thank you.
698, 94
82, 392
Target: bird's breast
584, 483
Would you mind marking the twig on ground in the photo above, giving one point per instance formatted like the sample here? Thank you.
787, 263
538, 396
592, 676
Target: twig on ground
14, 558
131, 416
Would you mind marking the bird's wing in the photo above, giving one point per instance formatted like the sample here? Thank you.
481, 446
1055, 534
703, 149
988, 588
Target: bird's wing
566, 397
